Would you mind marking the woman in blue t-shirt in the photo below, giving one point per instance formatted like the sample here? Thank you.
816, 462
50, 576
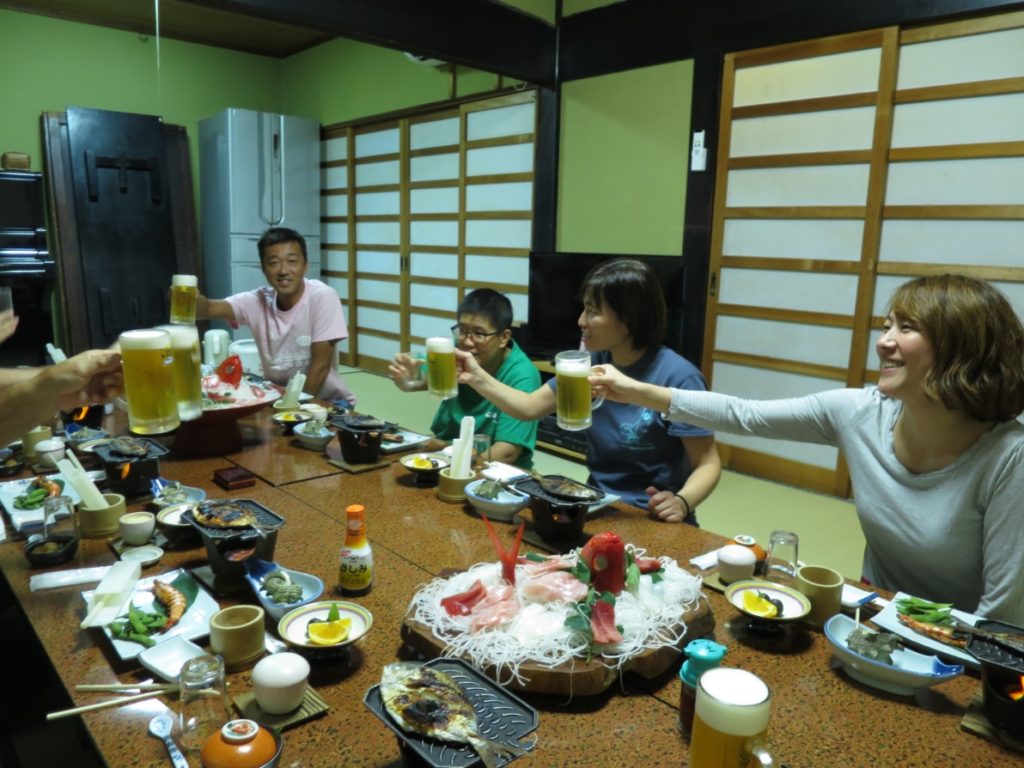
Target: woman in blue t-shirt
633, 452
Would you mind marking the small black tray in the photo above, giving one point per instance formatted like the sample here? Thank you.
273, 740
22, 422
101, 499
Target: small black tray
985, 650
501, 716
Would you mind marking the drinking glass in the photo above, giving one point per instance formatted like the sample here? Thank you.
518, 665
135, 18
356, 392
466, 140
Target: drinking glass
184, 289
59, 517
441, 379
6, 302
572, 394
730, 720
203, 705
481, 450
147, 359
188, 374
782, 556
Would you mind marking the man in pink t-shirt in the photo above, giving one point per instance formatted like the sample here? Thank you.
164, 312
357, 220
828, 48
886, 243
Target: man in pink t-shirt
296, 322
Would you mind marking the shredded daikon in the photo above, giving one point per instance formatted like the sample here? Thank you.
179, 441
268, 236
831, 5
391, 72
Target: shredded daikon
650, 619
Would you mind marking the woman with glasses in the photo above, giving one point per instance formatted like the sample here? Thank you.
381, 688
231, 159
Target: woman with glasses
483, 332
633, 452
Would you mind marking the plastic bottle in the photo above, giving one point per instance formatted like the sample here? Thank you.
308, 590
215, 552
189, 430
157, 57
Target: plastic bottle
702, 655
355, 571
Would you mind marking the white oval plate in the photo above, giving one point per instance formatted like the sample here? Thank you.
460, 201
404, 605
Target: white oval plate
146, 555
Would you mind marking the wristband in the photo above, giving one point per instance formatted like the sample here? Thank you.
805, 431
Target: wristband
689, 509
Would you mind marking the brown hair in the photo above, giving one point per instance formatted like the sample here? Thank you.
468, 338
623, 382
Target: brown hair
631, 289
978, 344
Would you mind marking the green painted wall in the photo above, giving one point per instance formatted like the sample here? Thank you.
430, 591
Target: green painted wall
624, 158
50, 64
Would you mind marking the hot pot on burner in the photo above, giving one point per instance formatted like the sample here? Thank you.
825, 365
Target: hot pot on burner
130, 464
227, 548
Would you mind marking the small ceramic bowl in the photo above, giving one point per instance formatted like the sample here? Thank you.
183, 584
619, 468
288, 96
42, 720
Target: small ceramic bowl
242, 744
292, 627
795, 605
503, 507
178, 531
11, 462
289, 419
315, 441
51, 550
167, 657
48, 452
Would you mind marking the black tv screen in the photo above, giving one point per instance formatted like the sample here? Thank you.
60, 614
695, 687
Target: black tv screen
554, 304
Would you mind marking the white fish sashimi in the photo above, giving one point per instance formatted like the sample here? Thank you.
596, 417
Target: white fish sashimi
553, 586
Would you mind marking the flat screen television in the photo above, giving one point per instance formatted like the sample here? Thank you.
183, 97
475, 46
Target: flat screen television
554, 304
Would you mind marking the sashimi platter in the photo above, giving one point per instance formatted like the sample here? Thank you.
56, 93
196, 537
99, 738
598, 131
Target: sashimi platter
567, 624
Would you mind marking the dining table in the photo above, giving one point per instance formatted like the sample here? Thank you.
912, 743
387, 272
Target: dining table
819, 715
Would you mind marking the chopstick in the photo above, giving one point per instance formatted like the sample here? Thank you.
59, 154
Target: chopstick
104, 704
127, 687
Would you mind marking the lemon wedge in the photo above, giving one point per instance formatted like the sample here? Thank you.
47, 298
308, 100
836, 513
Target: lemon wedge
758, 605
328, 632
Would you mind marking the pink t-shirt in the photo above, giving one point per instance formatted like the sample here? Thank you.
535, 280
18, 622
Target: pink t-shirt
284, 338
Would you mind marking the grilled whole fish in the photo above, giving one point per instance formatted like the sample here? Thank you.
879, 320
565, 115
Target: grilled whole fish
428, 702
131, 447
224, 514
956, 634
568, 489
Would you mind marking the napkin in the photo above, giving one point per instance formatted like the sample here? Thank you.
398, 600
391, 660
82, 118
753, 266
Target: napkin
67, 578
707, 560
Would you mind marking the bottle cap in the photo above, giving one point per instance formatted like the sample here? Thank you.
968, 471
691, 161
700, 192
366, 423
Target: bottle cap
702, 655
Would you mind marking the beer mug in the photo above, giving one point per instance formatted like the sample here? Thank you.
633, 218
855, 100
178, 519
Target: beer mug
147, 360
188, 374
184, 289
441, 379
730, 720
573, 391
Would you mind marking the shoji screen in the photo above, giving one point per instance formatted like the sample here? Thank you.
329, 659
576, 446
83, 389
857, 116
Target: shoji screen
430, 207
847, 166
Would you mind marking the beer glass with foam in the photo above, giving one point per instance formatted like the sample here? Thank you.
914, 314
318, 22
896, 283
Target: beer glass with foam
184, 289
147, 360
441, 378
730, 720
188, 374
572, 394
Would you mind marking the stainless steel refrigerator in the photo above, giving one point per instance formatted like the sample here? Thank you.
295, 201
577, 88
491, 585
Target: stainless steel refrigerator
257, 170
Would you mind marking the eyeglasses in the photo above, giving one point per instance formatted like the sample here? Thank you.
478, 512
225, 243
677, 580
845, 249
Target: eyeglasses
478, 337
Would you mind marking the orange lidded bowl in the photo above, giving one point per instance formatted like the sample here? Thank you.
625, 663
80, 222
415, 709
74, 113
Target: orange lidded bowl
241, 744
751, 542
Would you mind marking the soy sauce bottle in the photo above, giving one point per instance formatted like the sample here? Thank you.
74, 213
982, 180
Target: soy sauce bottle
355, 569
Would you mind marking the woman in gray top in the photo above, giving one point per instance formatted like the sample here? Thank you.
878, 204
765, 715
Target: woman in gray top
935, 453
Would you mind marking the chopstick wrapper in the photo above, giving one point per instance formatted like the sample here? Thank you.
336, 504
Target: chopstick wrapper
111, 594
292, 391
462, 448
67, 578
705, 561
83, 484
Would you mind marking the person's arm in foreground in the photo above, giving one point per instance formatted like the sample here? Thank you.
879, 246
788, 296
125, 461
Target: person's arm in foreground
321, 358
613, 384
87, 378
214, 309
525, 406
673, 506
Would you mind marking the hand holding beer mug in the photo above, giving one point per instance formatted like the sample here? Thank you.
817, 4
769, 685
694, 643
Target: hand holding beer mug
147, 359
730, 720
184, 289
442, 381
573, 391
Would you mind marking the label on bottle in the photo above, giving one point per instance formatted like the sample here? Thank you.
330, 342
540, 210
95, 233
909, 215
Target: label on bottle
355, 570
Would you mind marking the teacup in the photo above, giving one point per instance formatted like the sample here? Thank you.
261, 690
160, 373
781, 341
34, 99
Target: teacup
237, 635
137, 527
824, 588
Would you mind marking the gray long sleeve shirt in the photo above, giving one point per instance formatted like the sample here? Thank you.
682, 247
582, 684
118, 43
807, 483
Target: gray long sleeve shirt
953, 535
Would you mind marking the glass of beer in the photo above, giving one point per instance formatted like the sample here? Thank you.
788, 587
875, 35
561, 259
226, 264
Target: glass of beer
188, 374
441, 378
574, 404
184, 289
147, 360
730, 720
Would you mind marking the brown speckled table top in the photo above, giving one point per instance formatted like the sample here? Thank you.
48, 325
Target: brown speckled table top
820, 717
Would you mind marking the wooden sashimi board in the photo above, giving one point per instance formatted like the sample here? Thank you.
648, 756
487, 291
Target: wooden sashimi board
580, 678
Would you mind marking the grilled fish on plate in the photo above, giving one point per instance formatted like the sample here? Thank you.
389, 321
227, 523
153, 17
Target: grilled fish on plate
221, 513
565, 488
131, 447
428, 702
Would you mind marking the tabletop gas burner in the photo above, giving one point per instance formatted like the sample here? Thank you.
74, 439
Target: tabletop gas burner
130, 463
234, 530
1002, 675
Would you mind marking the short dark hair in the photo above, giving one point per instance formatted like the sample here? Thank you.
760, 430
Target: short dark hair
631, 289
277, 235
977, 340
490, 304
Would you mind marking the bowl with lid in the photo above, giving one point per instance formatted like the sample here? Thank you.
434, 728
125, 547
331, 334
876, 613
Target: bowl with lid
242, 744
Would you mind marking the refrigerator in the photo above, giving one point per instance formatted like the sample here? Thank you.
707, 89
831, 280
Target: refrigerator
257, 170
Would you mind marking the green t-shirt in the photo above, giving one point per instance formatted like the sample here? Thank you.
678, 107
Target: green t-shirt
518, 372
